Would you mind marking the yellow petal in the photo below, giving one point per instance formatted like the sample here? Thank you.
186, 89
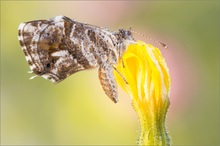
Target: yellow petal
147, 74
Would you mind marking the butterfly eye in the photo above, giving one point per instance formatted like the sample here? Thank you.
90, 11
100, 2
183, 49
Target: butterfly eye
128, 33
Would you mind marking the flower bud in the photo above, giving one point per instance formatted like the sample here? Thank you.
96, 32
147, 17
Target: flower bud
148, 84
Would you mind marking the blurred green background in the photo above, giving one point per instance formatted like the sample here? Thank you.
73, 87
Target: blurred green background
76, 111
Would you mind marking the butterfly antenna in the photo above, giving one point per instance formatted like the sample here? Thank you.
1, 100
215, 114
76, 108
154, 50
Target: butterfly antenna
141, 34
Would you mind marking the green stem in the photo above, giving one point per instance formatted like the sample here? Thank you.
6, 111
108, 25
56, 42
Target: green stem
152, 123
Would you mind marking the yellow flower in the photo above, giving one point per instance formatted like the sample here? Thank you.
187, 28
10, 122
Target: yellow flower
148, 84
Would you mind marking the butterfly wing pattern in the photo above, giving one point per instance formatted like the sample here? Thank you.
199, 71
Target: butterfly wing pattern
59, 47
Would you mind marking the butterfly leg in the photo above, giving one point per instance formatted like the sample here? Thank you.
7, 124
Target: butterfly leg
120, 74
123, 64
